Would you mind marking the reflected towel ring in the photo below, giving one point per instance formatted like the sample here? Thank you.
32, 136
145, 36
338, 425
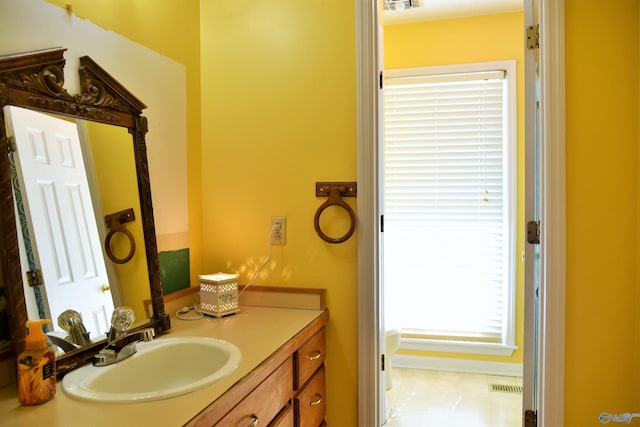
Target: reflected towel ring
114, 224
335, 190
107, 245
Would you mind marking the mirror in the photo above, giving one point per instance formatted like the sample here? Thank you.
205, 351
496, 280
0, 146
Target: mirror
35, 81
85, 169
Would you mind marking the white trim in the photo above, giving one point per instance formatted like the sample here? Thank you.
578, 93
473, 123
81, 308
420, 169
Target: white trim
553, 233
457, 365
466, 347
369, 324
438, 70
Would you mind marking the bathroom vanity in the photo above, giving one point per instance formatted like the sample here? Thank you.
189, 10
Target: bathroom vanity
280, 380
286, 390
280, 333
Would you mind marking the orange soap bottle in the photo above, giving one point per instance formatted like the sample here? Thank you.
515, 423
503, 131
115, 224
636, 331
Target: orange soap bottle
36, 366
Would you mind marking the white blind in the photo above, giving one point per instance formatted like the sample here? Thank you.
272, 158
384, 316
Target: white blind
446, 214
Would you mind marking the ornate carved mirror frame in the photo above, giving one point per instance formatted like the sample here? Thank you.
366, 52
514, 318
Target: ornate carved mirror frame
35, 81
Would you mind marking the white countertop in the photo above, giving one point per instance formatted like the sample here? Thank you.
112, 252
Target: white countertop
256, 331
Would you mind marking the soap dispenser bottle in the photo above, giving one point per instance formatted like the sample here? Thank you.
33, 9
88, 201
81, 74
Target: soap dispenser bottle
36, 366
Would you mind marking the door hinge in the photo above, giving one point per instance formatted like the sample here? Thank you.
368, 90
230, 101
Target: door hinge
382, 223
530, 418
533, 37
533, 232
11, 145
34, 278
381, 80
382, 361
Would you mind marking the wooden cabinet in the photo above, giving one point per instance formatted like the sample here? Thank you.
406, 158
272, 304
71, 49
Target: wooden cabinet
285, 419
286, 390
310, 400
264, 402
310, 357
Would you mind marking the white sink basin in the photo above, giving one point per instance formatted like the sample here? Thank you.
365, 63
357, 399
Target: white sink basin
162, 368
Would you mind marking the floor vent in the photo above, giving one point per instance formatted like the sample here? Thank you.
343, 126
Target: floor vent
504, 388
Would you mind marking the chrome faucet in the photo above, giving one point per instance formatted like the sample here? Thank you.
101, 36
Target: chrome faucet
121, 348
120, 343
71, 321
64, 344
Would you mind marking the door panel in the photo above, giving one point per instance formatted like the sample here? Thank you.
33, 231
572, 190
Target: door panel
63, 228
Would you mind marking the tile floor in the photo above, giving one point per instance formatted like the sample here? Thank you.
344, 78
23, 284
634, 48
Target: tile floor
421, 398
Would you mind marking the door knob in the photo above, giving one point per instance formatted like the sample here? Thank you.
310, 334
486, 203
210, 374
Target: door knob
105, 288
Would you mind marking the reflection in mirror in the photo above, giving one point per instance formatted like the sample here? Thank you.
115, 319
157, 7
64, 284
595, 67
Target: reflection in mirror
116, 186
87, 169
59, 243
34, 80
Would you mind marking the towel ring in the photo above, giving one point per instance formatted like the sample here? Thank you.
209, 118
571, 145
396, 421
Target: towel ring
334, 200
107, 245
114, 224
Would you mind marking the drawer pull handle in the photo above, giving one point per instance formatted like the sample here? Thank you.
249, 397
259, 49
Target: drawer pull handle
254, 423
315, 355
317, 401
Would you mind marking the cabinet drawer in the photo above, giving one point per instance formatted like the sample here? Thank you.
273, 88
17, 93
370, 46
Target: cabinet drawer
264, 402
285, 419
310, 357
311, 401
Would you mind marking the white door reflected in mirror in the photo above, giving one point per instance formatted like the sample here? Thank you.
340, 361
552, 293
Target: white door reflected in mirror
60, 218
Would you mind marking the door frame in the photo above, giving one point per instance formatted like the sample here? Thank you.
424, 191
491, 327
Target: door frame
553, 218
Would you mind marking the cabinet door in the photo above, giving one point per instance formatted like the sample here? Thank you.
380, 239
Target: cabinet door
311, 402
264, 402
310, 357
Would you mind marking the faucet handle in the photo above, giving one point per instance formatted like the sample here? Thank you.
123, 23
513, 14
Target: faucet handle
122, 319
69, 319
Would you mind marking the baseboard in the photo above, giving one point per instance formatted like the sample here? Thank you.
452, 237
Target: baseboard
457, 365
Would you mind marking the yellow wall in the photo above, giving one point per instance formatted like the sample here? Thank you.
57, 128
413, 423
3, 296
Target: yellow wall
279, 114
602, 182
462, 41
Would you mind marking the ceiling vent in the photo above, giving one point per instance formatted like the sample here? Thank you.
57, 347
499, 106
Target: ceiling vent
401, 4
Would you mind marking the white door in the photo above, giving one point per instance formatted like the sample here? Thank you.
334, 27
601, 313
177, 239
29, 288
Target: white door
533, 274
63, 228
